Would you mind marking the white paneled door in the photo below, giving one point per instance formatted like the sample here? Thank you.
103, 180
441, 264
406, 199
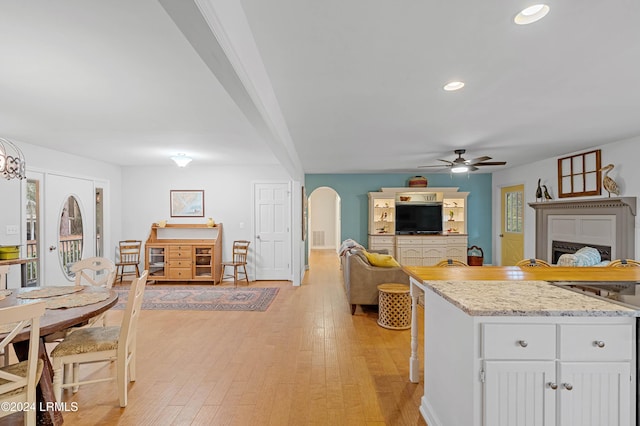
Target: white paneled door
69, 228
272, 225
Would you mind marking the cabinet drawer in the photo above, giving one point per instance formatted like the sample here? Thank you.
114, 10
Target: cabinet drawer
186, 263
387, 240
179, 252
596, 342
409, 241
519, 341
180, 273
457, 241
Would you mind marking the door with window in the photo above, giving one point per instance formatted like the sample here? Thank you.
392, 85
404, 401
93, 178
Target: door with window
512, 224
69, 227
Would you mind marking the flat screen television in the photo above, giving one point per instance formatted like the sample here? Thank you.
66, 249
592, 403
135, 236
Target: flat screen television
418, 218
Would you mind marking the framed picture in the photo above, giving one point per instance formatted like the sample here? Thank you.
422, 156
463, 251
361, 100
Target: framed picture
579, 175
187, 203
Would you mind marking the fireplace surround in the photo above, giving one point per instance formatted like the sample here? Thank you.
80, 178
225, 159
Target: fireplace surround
614, 217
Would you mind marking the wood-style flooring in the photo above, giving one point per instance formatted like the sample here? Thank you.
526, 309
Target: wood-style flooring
306, 360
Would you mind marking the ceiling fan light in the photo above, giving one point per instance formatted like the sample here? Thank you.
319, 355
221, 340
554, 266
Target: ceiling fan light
181, 160
531, 14
460, 169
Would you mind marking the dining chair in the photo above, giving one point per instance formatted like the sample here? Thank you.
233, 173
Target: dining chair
102, 344
532, 263
621, 263
128, 257
451, 262
239, 261
18, 381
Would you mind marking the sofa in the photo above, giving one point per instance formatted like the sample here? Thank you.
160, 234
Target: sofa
361, 278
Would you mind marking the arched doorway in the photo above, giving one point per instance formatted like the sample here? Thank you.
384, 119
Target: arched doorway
324, 219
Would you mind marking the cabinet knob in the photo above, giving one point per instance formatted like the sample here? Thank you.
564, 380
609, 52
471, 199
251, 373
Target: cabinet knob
552, 385
523, 343
567, 386
599, 343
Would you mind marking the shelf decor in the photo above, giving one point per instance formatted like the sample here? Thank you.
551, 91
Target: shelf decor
187, 203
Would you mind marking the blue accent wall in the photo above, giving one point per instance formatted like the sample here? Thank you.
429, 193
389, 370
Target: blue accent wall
354, 188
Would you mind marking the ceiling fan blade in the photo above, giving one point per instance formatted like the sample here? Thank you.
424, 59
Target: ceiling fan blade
491, 163
472, 168
478, 160
447, 161
440, 166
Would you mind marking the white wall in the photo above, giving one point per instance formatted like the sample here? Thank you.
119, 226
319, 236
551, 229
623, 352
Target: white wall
323, 205
623, 155
227, 197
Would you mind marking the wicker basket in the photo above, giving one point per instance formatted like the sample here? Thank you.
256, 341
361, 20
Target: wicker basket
475, 256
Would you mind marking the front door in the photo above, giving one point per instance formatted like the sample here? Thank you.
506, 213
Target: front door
512, 224
272, 207
69, 228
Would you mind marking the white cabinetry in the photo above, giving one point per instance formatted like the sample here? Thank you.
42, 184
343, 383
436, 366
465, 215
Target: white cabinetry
429, 250
527, 370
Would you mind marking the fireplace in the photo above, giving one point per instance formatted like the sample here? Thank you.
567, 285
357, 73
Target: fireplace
558, 248
607, 224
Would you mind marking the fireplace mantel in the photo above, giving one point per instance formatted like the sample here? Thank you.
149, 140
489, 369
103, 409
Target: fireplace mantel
623, 208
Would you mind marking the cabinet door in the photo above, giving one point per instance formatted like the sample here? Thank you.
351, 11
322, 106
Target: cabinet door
519, 393
595, 393
156, 262
433, 255
410, 256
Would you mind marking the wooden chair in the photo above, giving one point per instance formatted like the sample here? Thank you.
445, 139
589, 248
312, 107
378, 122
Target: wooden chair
102, 344
18, 381
532, 262
4, 271
621, 263
240, 252
451, 262
129, 257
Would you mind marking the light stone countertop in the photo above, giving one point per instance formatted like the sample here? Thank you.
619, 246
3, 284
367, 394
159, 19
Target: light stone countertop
523, 298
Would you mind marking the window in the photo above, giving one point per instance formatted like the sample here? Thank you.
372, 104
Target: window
579, 175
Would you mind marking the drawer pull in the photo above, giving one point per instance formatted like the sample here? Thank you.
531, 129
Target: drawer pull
567, 386
552, 385
599, 343
523, 343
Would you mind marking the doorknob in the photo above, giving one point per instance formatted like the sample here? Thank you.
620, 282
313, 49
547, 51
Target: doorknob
52, 248
501, 235
258, 236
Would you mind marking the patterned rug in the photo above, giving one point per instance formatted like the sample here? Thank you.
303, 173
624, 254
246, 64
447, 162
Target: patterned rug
175, 297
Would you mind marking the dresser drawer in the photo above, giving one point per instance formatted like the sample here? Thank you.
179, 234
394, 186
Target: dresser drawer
409, 241
382, 240
180, 252
519, 341
180, 273
183, 263
609, 342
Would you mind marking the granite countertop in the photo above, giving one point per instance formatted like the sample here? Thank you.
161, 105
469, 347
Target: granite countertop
523, 298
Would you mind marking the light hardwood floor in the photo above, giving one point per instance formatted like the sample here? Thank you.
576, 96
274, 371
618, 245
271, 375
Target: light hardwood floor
306, 360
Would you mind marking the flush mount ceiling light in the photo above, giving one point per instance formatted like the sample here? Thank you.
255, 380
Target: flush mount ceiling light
531, 14
453, 85
181, 160
12, 165
460, 169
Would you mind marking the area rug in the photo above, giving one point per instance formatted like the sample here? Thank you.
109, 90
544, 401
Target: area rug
173, 297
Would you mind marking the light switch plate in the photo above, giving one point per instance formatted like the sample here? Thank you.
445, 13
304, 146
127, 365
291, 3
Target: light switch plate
12, 229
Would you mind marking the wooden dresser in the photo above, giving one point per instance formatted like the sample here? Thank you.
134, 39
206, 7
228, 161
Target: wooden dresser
184, 252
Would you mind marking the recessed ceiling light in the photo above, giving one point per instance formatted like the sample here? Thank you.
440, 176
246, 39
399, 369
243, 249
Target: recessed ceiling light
453, 85
531, 14
181, 160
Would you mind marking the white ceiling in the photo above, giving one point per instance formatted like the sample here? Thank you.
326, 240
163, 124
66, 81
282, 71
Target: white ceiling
358, 82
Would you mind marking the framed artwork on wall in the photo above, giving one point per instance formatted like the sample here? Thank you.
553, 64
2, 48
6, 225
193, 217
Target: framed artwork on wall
187, 203
579, 175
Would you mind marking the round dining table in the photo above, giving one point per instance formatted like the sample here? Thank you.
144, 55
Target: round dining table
53, 321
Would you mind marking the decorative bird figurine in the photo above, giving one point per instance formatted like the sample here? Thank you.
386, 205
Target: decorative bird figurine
539, 192
546, 193
609, 184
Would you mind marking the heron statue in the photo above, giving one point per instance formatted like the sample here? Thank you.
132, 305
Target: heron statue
609, 184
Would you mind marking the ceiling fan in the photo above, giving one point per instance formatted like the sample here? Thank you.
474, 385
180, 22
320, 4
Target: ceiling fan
460, 165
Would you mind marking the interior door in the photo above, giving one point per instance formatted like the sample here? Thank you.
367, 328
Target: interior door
272, 225
512, 224
69, 228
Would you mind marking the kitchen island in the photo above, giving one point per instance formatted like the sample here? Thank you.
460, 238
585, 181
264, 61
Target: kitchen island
516, 352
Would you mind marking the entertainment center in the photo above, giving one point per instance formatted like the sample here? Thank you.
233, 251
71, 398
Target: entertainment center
419, 226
